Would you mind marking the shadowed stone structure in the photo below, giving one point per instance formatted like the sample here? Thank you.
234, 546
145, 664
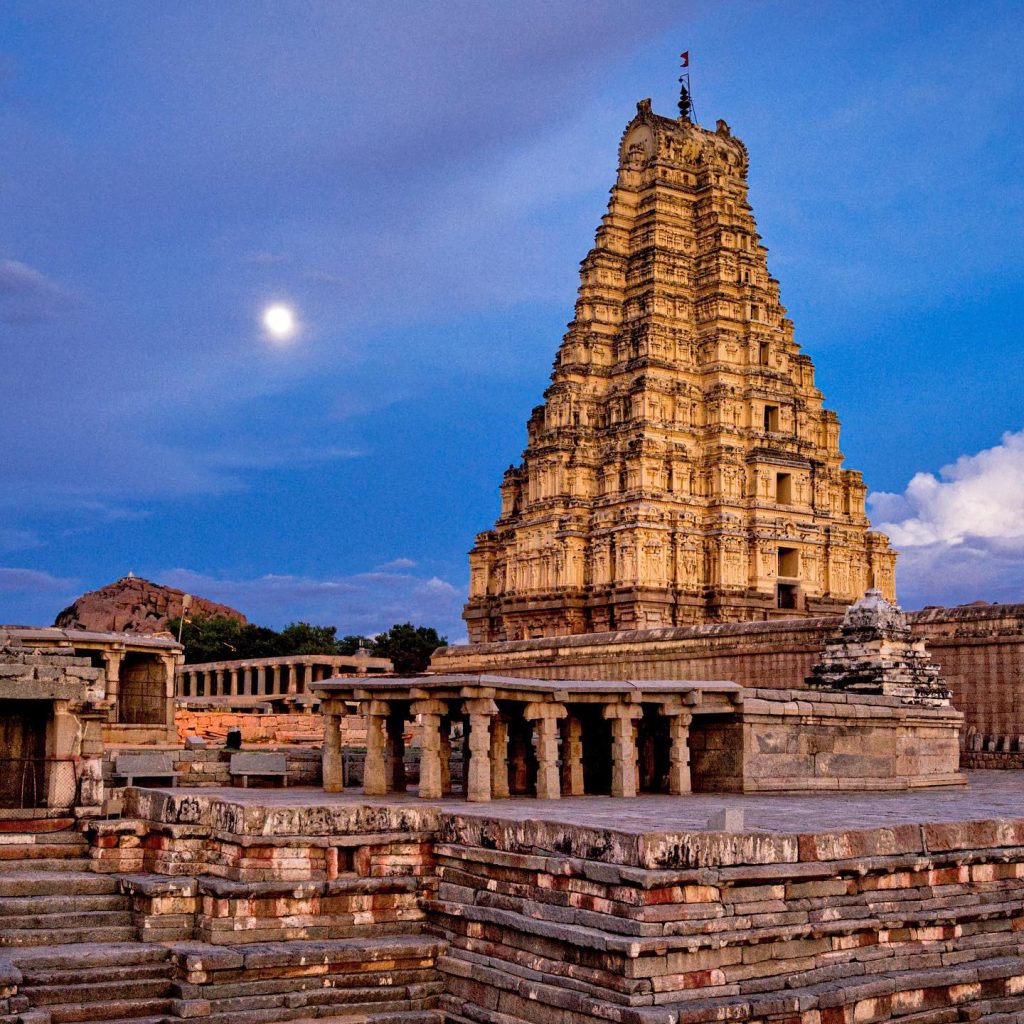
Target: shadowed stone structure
682, 468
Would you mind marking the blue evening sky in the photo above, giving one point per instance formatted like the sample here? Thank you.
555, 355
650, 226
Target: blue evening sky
419, 181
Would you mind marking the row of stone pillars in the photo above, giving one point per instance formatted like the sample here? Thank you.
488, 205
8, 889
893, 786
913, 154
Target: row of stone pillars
252, 681
500, 748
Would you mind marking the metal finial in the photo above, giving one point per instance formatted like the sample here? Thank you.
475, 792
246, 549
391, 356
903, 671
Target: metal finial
685, 99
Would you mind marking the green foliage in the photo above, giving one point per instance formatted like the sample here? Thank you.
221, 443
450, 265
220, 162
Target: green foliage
217, 638
302, 638
351, 643
409, 647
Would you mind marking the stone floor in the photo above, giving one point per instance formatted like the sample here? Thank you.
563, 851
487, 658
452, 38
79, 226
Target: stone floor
990, 794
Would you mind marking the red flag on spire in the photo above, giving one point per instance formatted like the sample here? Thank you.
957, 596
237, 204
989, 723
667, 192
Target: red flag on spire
685, 58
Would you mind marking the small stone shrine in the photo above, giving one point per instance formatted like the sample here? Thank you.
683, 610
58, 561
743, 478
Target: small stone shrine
874, 652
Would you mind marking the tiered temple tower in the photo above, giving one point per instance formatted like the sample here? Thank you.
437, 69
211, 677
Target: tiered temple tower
682, 468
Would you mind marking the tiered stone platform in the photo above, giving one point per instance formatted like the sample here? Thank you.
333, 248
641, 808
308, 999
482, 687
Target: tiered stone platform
280, 905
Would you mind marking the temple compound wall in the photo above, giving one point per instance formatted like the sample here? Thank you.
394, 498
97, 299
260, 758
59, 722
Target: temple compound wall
492, 919
978, 648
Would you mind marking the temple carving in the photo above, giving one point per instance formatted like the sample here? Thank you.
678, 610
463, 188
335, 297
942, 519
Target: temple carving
682, 468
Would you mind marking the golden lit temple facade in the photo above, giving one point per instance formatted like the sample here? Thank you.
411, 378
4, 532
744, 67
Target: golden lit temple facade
682, 468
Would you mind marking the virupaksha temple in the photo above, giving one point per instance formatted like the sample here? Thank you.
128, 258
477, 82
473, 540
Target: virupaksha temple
694, 766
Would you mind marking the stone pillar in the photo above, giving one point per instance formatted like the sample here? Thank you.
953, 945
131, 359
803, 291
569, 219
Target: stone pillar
396, 751
572, 756
60, 781
218, 684
499, 758
330, 753
261, 680
90, 783
291, 678
375, 780
446, 756
623, 718
307, 678
545, 718
233, 679
480, 713
112, 673
431, 713
679, 751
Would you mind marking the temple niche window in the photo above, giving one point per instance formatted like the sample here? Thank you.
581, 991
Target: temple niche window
771, 419
762, 353
789, 562
784, 488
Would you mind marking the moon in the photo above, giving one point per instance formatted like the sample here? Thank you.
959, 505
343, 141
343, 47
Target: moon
279, 322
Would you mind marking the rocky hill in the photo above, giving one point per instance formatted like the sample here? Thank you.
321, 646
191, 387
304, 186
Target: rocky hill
134, 605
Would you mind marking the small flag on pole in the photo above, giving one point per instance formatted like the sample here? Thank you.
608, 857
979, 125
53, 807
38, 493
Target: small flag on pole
685, 58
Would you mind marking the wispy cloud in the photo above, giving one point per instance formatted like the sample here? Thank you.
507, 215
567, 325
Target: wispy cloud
363, 603
27, 295
960, 532
32, 581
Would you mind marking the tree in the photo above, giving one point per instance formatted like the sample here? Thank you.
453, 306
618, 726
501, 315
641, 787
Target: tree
352, 643
409, 647
304, 638
210, 638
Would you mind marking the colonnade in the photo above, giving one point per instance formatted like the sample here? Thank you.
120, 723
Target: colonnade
549, 748
269, 677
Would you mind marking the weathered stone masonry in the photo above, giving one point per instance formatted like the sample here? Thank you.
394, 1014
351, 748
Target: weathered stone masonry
535, 920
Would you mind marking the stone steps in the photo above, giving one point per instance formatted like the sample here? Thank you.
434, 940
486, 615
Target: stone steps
127, 1008
92, 982
46, 864
42, 851
36, 905
75, 918
11, 938
55, 883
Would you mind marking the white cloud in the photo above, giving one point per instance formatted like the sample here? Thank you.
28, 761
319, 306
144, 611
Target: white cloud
363, 603
960, 533
397, 563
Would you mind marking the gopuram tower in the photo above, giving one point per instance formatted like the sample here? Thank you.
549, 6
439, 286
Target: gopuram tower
682, 468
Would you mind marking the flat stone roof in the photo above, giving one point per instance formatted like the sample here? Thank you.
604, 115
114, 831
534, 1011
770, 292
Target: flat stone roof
989, 795
562, 689
71, 637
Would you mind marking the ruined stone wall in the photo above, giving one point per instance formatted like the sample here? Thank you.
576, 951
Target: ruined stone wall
271, 727
539, 921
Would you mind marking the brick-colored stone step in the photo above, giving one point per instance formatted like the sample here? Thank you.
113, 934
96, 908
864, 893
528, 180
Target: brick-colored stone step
14, 937
110, 990
55, 883
116, 1009
40, 904
40, 851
